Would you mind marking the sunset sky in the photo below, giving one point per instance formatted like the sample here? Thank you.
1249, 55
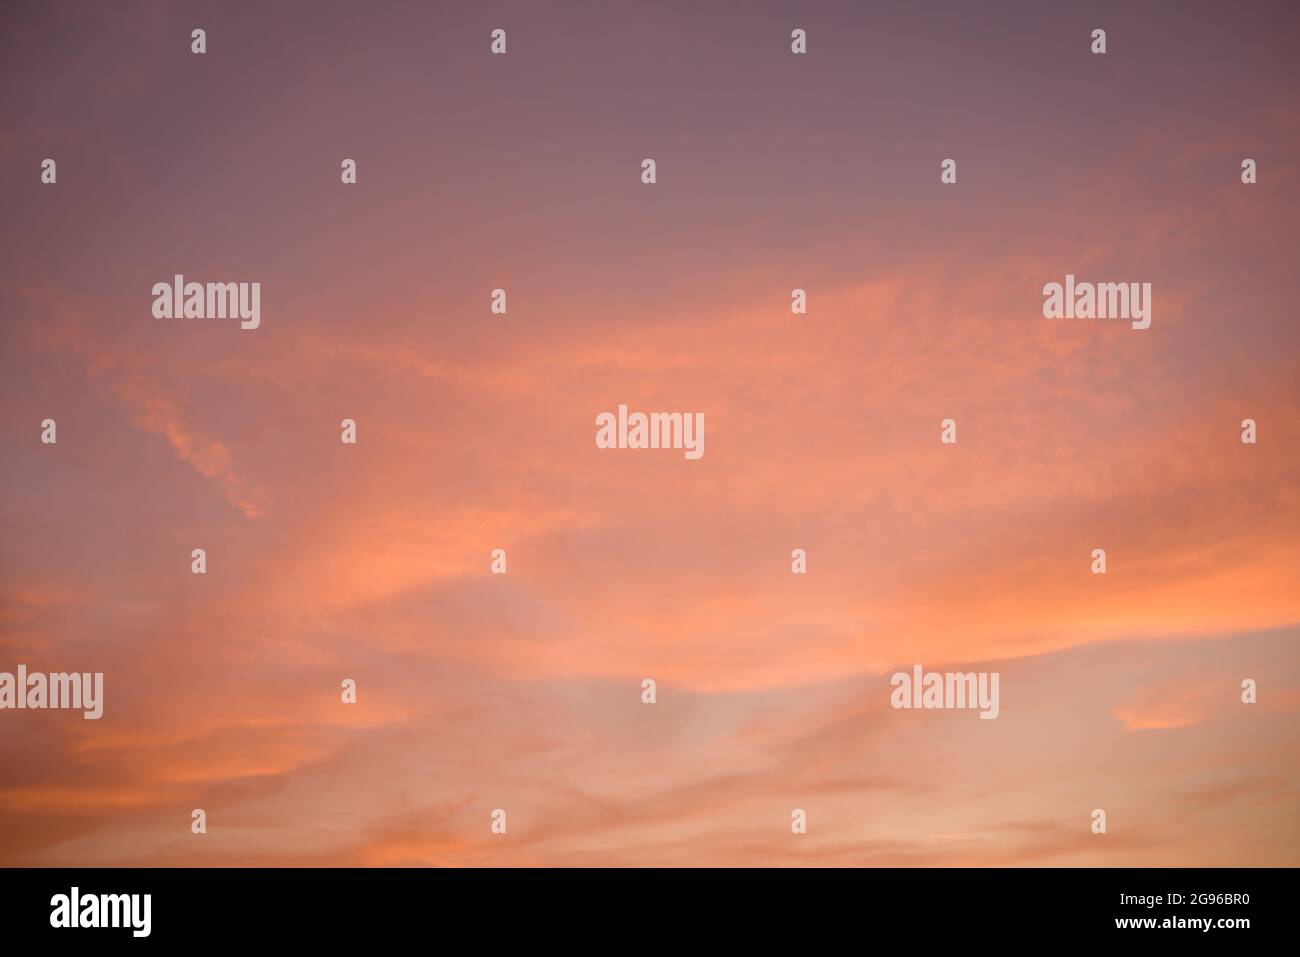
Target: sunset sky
475, 431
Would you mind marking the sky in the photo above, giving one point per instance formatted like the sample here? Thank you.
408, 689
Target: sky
475, 431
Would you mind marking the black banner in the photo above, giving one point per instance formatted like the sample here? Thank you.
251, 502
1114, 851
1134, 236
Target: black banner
669, 907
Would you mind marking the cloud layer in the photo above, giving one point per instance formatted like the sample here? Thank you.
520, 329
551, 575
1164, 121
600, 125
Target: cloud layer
475, 432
